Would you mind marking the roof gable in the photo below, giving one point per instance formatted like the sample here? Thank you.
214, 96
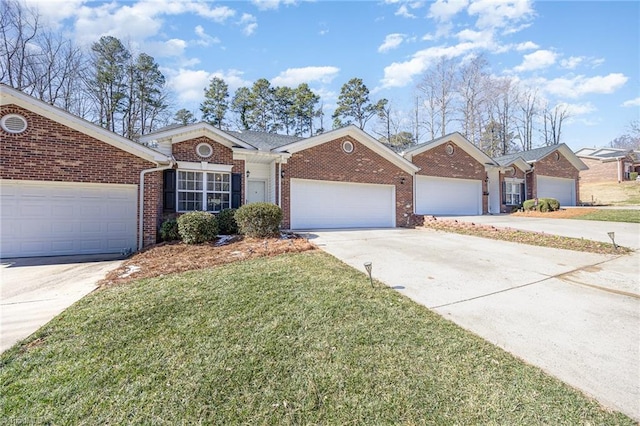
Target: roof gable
358, 135
457, 139
11, 96
534, 155
178, 134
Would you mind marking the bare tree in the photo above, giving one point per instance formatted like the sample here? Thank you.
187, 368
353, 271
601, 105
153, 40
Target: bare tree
552, 121
503, 105
438, 90
19, 28
528, 105
471, 89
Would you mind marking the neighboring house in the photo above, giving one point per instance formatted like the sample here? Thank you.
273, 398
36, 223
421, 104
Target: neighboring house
68, 186
608, 164
343, 178
454, 177
547, 172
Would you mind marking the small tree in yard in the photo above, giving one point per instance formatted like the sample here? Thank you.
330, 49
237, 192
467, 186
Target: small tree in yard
197, 227
259, 220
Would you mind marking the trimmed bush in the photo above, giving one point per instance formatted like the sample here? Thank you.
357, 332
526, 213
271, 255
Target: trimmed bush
544, 205
633, 175
259, 220
169, 230
227, 222
197, 227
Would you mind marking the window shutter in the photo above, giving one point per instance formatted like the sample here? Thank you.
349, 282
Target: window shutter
523, 196
169, 191
504, 192
236, 190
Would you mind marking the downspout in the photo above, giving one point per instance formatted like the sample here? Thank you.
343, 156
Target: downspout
141, 198
280, 183
619, 170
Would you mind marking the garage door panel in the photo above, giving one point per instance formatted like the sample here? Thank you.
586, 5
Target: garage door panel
448, 196
55, 218
562, 189
325, 204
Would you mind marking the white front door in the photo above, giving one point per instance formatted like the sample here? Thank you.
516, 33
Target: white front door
256, 190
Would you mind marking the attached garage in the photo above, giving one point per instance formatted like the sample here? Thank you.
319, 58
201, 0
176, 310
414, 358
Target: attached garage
317, 204
448, 196
40, 218
562, 189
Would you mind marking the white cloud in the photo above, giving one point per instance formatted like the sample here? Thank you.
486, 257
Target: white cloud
631, 102
53, 12
204, 39
571, 62
391, 41
443, 10
249, 23
189, 85
501, 13
271, 4
404, 12
578, 109
527, 45
537, 60
292, 77
400, 74
580, 85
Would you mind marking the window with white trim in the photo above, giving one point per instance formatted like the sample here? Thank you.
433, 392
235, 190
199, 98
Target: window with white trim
208, 191
512, 193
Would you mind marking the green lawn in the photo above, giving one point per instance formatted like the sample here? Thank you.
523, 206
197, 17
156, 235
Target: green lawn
295, 339
627, 215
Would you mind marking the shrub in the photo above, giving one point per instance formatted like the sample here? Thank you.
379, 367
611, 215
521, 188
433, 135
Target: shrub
169, 230
543, 205
227, 222
197, 227
633, 175
259, 220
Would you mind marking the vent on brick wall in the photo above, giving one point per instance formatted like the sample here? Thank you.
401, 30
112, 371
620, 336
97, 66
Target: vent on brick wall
13, 123
204, 150
347, 147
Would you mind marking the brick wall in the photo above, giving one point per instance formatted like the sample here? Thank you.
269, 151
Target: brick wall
460, 165
550, 166
599, 171
49, 151
329, 162
186, 151
517, 174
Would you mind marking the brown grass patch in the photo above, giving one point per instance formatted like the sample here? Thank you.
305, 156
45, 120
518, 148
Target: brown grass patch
169, 258
564, 213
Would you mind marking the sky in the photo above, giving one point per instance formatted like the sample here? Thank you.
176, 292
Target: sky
583, 54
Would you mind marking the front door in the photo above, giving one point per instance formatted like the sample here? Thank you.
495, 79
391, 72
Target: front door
256, 191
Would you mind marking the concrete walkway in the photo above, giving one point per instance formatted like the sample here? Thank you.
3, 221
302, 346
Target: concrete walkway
575, 315
34, 290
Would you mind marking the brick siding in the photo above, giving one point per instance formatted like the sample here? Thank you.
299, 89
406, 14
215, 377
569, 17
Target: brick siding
599, 171
459, 165
329, 162
49, 151
549, 166
518, 174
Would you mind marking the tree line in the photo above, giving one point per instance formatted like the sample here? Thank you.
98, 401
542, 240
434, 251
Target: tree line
127, 94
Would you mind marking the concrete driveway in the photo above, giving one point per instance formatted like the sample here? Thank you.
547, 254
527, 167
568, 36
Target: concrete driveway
575, 315
34, 290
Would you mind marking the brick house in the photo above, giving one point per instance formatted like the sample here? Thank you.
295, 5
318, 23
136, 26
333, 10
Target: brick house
69, 186
547, 172
608, 164
454, 177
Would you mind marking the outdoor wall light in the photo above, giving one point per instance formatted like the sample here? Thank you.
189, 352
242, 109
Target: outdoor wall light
402, 180
282, 174
612, 235
248, 173
367, 266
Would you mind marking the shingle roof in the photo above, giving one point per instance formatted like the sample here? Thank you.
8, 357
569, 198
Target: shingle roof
264, 141
528, 156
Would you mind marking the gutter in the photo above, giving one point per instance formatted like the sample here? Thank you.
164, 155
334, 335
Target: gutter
141, 200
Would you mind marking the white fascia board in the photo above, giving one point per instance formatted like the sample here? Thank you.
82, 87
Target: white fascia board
184, 133
356, 134
460, 141
9, 96
203, 165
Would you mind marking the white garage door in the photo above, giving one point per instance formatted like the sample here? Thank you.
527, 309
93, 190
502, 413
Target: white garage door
323, 205
55, 218
447, 196
563, 190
